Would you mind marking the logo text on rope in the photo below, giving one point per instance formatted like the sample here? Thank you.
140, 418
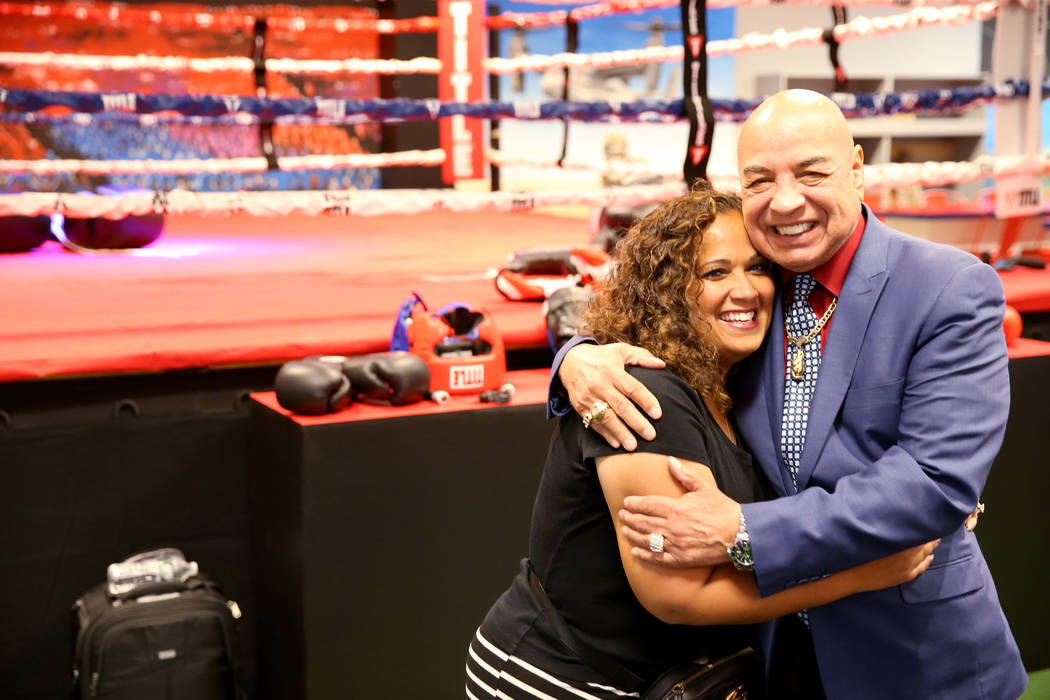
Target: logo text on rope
338, 204
526, 109
124, 101
160, 202
333, 109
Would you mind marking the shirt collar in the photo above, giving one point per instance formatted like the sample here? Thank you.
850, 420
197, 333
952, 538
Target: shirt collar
832, 274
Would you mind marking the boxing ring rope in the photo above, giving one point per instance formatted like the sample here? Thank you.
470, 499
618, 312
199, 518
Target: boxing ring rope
303, 19
326, 110
336, 202
859, 28
379, 202
853, 105
889, 175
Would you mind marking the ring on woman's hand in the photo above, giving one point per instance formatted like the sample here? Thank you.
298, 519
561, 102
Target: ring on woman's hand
656, 543
597, 412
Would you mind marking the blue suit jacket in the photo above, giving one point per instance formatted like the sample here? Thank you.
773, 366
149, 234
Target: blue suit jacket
908, 413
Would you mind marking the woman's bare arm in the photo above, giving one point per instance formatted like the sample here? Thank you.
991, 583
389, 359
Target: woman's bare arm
723, 595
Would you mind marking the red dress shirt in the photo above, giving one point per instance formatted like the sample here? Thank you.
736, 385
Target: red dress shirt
830, 277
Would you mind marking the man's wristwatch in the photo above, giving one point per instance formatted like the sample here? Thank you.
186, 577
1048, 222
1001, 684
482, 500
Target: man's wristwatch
740, 551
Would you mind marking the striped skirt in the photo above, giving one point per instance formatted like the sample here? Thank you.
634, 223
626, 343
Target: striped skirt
495, 673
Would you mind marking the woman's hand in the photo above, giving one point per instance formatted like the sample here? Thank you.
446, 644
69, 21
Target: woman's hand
971, 519
592, 373
895, 569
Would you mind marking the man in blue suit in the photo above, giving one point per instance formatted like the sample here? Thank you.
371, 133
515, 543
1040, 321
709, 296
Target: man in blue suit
908, 401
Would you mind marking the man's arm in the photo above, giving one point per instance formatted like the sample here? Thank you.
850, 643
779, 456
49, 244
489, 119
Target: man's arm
721, 595
953, 416
583, 373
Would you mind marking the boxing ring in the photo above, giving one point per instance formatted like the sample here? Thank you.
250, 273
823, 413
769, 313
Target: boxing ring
276, 239
264, 315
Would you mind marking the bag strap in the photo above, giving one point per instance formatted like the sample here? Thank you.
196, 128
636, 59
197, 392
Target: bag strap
608, 667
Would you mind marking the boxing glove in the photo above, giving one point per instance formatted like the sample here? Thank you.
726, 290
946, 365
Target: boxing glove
311, 387
396, 377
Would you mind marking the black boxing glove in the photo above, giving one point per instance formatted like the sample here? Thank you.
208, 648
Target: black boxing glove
396, 377
311, 387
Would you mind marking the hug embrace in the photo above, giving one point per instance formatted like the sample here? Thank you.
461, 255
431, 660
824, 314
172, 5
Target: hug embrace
790, 464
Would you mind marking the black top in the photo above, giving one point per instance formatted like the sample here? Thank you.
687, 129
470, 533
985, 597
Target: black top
573, 539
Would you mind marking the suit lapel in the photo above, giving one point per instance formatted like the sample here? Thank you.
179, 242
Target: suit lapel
756, 407
773, 393
860, 291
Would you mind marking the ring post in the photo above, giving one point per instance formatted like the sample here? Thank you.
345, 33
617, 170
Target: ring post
1019, 54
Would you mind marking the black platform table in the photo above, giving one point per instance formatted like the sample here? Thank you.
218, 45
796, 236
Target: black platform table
384, 534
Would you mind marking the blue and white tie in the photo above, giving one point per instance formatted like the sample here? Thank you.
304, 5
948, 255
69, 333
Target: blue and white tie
799, 323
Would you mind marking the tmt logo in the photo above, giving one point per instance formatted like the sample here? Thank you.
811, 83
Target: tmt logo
123, 101
1023, 198
466, 377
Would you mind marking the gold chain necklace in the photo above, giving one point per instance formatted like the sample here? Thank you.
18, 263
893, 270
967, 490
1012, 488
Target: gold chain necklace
798, 360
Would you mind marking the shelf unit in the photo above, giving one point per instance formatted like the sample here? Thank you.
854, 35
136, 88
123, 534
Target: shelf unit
901, 138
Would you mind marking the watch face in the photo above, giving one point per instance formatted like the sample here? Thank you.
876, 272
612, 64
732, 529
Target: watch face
740, 554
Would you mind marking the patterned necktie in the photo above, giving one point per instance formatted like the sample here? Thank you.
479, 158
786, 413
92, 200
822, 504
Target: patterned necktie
799, 323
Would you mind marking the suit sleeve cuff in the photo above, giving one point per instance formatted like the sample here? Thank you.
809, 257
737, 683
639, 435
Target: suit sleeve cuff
558, 403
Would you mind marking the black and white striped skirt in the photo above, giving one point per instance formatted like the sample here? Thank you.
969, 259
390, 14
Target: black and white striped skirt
495, 673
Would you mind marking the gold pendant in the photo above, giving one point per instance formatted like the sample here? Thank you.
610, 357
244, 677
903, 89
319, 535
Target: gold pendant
798, 365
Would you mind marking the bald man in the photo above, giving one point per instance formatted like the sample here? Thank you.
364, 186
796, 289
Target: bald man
876, 422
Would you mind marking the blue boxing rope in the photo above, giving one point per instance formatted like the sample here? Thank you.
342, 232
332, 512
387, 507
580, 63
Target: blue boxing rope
23, 104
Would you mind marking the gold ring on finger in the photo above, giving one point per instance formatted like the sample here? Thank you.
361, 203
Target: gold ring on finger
596, 413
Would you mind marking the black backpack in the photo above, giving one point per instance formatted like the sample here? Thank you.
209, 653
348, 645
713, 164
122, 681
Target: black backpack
162, 641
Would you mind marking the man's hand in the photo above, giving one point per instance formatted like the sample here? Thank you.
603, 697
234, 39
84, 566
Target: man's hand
697, 527
596, 372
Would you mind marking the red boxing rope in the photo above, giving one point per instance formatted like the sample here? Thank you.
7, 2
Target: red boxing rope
301, 19
283, 17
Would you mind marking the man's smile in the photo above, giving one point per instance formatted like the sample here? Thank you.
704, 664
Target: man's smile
794, 229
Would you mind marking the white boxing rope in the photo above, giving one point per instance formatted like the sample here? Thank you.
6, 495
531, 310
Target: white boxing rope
876, 176
313, 203
250, 164
385, 66
241, 64
860, 27
934, 174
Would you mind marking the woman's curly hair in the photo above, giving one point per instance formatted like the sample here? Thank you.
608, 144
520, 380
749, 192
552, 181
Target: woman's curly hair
649, 298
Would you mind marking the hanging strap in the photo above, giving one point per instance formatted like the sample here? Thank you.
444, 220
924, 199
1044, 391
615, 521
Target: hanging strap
608, 667
695, 102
